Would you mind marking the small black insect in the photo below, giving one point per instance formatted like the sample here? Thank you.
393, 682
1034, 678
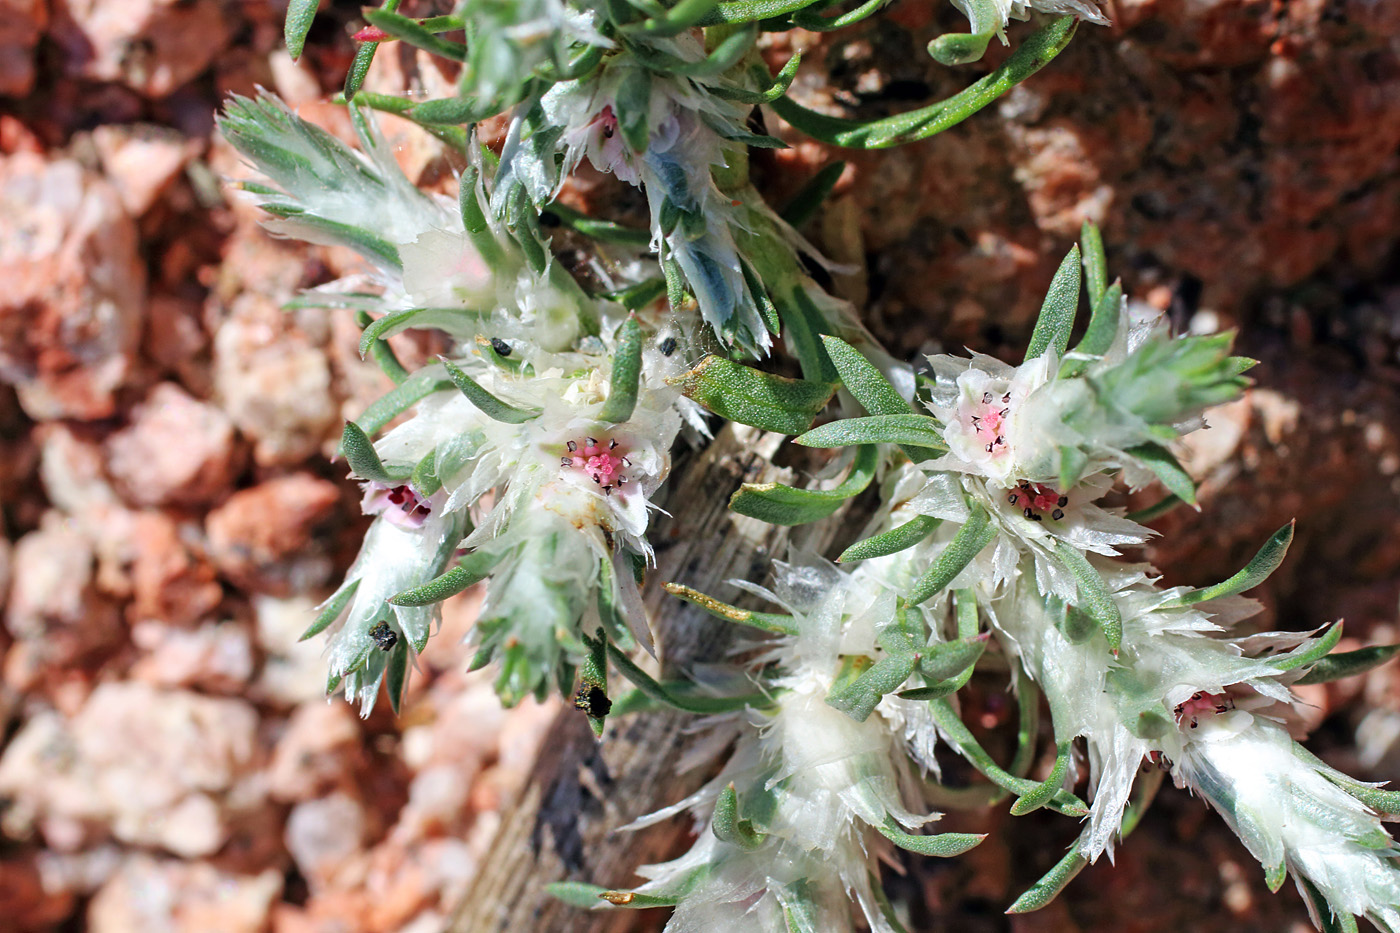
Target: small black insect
500, 346
383, 636
592, 700
668, 346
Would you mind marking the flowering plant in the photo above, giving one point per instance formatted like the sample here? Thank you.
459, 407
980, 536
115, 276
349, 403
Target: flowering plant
530, 457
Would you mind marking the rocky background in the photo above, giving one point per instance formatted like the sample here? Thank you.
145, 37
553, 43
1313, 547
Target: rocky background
171, 513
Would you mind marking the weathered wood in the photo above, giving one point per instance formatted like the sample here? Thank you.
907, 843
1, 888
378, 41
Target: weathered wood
562, 825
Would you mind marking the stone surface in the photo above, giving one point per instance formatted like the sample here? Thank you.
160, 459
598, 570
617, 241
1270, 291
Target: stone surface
176, 451
70, 314
266, 538
22, 22
160, 896
152, 46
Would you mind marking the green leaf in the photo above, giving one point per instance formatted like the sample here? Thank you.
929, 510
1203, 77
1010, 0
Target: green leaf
1322, 910
944, 845
974, 535
604, 231
626, 372
1265, 562
584, 895
1168, 469
1094, 597
452, 320
454, 136
815, 22
592, 696
399, 399
470, 570
332, 609
859, 698
729, 827
1309, 653
959, 48
1275, 876
1034, 53
364, 461
1103, 323
966, 745
1348, 664
414, 33
609, 612
773, 88
489, 405
382, 354
766, 621
805, 203
678, 696
396, 673
950, 658
890, 542
1095, 263
1035, 799
805, 324
863, 380
748, 396
364, 56
677, 19
374, 248
777, 504
1057, 313
911, 429
300, 14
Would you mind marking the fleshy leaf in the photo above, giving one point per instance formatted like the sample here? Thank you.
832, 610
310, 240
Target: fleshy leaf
1265, 562
766, 621
749, 396
1057, 313
777, 504
975, 534
890, 542
914, 430
490, 406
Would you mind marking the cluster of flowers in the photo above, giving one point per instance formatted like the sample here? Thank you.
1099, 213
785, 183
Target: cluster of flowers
532, 455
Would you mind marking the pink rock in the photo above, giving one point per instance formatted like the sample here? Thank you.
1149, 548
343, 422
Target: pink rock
22, 22
272, 378
324, 834
152, 46
152, 767
141, 161
169, 581
177, 450
70, 313
320, 749
212, 658
264, 538
54, 607
154, 896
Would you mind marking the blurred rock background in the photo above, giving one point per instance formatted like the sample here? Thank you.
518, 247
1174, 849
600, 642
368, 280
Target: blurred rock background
171, 514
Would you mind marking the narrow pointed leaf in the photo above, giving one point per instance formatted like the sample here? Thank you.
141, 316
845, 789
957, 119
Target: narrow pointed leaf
975, 534
749, 396
626, 372
1155, 510
1265, 562
1034, 53
890, 542
729, 827
859, 698
415, 34
1057, 313
1035, 799
766, 621
1348, 664
300, 14
490, 406
1095, 263
396, 673
863, 380
1309, 653
950, 658
331, 610
672, 696
1168, 469
777, 504
452, 320
470, 570
913, 430
1094, 597
604, 231
1103, 323
363, 460
944, 845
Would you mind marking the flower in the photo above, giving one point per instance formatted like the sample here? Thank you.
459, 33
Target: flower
1292, 813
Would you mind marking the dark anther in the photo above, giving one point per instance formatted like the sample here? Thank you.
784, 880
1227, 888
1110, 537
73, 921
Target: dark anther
383, 636
572, 445
612, 444
592, 700
500, 346
624, 461
1013, 498
986, 398
1006, 397
1029, 512
668, 346
592, 442
1063, 501
566, 461
1057, 514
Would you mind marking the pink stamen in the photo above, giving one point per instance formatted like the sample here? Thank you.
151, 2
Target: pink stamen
601, 462
1035, 500
1202, 704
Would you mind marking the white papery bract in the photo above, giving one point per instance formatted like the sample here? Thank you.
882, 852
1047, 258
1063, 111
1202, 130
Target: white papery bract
1126, 707
1289, 812
818, 783
992, 16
